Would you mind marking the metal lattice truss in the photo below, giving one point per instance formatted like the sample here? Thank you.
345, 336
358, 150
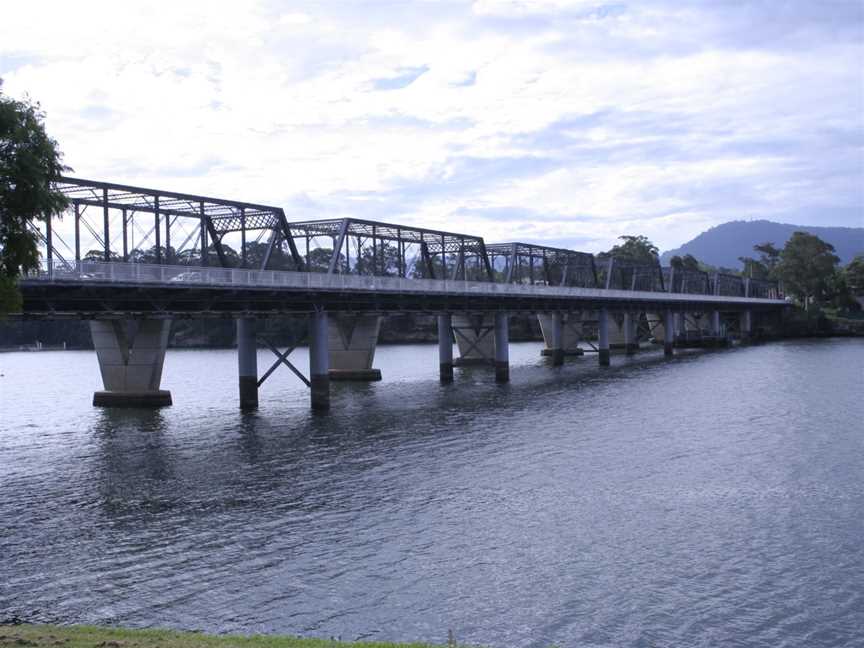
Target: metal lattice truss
352, 246
728, 285
762, 289
537, 264
625, 274
113, 222
692, 282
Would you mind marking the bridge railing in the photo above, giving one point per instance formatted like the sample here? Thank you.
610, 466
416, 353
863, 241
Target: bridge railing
99, 272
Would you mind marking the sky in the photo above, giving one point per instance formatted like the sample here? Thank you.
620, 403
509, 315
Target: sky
557, 122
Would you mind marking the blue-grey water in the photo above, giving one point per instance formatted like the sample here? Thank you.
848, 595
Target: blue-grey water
713, 500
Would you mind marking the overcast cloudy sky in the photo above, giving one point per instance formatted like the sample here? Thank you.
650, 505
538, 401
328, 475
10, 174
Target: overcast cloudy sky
566, 122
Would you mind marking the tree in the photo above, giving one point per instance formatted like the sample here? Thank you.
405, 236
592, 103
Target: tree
687, 262
855, 275
754, 268
635, 248
769, 256
318, 259
384, 260
807, 267
837, 291
30, 162
99, 255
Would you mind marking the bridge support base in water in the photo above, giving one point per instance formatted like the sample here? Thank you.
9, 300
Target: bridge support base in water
502, 348
746, 326
131, 354
352, 341
669, 334
603, 337
319, 365
247, 363
445, 348
157, 398
561, 334
474, 339
631, 345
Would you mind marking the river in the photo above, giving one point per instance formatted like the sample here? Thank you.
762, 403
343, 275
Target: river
716, 499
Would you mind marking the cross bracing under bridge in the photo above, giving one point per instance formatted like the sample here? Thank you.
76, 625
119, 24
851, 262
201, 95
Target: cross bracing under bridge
112, 222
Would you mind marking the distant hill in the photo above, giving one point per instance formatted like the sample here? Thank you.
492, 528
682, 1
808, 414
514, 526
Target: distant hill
723, 244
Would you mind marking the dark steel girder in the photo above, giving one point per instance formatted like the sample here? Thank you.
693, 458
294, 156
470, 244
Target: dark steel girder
75, 301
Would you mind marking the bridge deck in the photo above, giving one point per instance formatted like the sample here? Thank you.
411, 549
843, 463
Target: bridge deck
95, 289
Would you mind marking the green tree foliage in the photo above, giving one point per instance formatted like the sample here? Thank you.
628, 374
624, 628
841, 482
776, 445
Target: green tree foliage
687, 262
855, 275
807, 267
754, 268
384, 260
30, 162
635, 248
318, 259
765, 267
769, 256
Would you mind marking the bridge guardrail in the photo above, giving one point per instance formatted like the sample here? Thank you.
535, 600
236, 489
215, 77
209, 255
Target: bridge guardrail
119, 272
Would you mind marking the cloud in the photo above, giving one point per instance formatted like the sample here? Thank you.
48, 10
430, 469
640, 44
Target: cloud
403, 78
548, 120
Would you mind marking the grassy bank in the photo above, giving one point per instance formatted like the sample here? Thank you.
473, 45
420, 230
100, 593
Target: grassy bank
24, 636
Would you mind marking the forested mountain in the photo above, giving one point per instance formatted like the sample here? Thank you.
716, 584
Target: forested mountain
722, 245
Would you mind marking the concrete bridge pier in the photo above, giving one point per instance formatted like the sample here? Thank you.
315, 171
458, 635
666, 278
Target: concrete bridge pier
502, 348
445, 347
247, 362
680, 323
603, 337
131, 354
669, 334
552, 327
715, 323
746, 325
475, 339
352, 341
629, 329
319, 360
560, 336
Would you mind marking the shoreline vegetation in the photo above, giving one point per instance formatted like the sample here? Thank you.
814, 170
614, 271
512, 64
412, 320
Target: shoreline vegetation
82, 636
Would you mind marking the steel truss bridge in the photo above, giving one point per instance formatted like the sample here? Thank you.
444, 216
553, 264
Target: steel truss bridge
125, 256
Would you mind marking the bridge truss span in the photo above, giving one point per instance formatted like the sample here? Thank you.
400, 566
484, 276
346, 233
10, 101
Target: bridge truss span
131, 259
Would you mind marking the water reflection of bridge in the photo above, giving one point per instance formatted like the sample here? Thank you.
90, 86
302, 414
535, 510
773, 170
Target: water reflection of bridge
131, 259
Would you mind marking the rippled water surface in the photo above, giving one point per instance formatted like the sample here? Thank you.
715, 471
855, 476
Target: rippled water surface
713, 500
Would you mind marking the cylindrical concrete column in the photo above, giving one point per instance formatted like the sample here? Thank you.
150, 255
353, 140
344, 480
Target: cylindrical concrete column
603, 337
445, 347
502, 348
715, 322
247, 363
669, 334
557, 339
319, 365
746, 325
630, 345
680, 323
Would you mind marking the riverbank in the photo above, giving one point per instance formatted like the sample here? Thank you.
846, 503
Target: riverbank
32, 636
